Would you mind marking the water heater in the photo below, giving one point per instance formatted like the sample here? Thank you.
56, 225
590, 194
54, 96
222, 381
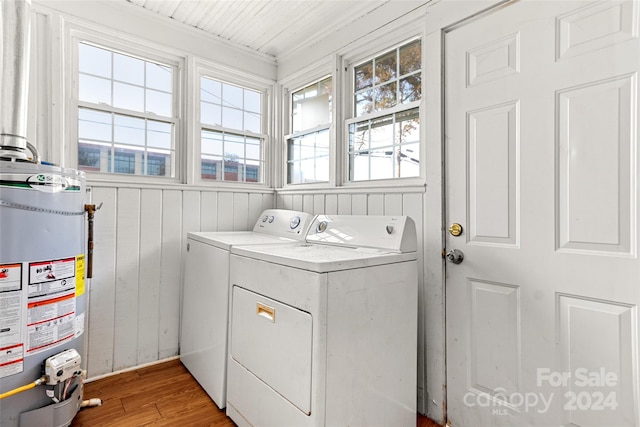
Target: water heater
42, 289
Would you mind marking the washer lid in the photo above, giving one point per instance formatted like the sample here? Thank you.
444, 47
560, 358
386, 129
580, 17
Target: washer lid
227, 239
321, 258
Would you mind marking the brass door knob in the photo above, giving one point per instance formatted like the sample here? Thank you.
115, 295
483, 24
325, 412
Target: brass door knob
455, 229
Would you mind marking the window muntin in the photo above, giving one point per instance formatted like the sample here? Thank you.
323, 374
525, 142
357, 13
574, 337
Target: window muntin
308, 143
384, 135
231, 139
385, 147
126, 120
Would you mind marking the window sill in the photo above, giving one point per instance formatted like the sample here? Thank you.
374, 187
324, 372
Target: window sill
359, 188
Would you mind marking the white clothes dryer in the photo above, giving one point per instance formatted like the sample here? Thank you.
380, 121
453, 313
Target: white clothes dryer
205, 299
324, 333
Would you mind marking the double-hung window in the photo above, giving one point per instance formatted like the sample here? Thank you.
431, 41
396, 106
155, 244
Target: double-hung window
232, 134
308, 141
384, 133
126, 112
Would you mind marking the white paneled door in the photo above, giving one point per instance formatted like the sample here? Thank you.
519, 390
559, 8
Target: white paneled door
541, 175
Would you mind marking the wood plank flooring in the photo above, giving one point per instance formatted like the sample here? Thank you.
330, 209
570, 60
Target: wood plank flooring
160, 395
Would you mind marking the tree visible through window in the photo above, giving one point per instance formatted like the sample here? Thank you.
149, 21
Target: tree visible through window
384, 137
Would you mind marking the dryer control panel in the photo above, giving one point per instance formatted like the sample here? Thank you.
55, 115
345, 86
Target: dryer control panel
393, 233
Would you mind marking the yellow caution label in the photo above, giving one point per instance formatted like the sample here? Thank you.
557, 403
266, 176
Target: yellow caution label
79, 275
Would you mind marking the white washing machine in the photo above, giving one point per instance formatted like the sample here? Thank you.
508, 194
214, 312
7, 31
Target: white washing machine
204, 321
324, 333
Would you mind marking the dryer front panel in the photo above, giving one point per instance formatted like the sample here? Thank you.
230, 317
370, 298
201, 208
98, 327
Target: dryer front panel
274, 342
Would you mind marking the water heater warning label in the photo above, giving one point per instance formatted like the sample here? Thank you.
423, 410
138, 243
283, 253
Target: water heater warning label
50, 277
50, 322
11, 360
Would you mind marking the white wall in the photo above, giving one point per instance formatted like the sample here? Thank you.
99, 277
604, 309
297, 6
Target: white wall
140, 236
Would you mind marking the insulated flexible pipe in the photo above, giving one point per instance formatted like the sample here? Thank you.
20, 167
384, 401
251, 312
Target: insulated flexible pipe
23, 388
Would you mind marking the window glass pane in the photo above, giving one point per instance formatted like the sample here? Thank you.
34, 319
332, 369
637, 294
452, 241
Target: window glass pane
233, 147
94, 60
129, 130
94, 125
364, 102
128, 69
382, 163
232, 96
94, 89
385, 67
252, 122
159, 134
410, 57
159, 103
385, 96
159, 77
364, 76
210, 90
232, 170
232, 118
210, 167
360, 167
158, 164
128, 97
252, 171
210, 114
409, 163
408, 128
253, 148
311, 106
411, 88
381, 132
322, 169
212, 143
125, 161
252, 101
91, 156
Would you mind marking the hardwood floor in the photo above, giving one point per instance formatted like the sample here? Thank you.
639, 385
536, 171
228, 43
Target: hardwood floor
160, 395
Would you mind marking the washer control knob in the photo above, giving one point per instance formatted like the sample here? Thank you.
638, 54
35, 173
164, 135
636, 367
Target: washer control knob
271, 218
295, 222
264, 218
322, 226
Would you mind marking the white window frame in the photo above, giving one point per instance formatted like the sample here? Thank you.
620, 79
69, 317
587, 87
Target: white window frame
355, 58
234, 77
317, 129
78, 33
304, 78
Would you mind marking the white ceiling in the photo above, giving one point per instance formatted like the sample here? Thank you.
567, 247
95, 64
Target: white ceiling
271, 27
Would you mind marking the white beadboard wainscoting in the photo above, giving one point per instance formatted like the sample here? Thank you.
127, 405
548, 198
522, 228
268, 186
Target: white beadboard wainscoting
140, 235
135, 293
